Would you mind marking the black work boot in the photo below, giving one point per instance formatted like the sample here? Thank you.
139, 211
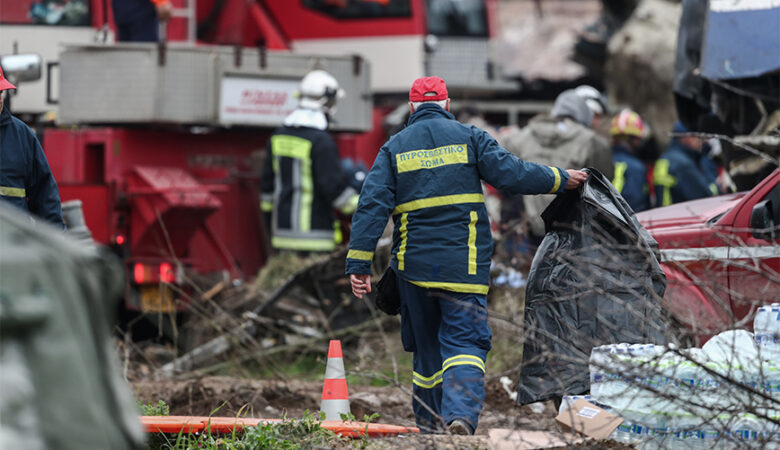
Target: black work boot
460, 427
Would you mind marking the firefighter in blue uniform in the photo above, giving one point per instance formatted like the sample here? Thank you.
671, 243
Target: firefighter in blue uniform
25, 178
630, 178
684, 172
428, 177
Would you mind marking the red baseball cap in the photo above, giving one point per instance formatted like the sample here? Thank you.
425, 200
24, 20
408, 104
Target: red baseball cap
4, 83
434, 87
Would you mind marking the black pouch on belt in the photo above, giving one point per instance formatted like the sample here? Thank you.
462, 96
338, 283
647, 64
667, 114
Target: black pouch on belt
388, 300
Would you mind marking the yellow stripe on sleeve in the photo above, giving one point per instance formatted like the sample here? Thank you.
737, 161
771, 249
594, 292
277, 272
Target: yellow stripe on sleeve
360, 254
557, 183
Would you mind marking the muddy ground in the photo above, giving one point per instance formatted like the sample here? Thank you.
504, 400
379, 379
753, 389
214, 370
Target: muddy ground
229, 396
255, 383
251, 396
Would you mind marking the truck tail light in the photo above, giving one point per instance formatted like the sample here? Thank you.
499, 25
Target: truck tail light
119, 239
166, 273
154, 273
141, 273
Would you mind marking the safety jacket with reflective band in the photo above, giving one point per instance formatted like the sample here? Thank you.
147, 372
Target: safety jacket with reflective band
683, 174
428, 177
26, 180
302, 183
630, 178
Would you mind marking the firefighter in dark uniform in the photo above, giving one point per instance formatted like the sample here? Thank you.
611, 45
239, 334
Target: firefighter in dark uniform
630, 178
139, 20
302, 180
25, 178
684, 172
428, 177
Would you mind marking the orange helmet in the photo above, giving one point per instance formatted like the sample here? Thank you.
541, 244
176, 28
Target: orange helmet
627, 123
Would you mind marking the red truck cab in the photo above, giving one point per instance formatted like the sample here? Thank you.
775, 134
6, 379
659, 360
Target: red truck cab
721, 256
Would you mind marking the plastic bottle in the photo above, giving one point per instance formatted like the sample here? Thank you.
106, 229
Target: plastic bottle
747, 431
766, 328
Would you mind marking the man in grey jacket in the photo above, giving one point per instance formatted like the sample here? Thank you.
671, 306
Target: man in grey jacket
562, 139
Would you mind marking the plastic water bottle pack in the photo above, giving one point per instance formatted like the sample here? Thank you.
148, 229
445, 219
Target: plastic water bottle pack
696, 397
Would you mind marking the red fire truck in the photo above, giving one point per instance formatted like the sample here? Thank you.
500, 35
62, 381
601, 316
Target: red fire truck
163, 143
156, 145
721, 256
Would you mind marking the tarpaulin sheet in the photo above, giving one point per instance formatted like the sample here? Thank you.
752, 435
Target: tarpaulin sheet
595, 280
742, 39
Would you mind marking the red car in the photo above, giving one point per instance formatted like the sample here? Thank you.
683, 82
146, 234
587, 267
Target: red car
721, 256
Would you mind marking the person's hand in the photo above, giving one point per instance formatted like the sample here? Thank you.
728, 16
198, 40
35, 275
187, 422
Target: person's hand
164, 11
576, 178
361, 283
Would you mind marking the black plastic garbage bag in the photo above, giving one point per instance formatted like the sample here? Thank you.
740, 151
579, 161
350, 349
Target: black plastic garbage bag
595, 280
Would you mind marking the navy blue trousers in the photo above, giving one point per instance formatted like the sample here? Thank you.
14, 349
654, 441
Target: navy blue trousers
450, 337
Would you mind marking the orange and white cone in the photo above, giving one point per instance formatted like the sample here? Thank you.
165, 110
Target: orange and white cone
335, 397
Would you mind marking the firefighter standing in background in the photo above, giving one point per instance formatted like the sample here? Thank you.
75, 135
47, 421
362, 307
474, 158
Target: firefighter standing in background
302, 180
139, 20
630, 172
684, 172
428, 177
26, 180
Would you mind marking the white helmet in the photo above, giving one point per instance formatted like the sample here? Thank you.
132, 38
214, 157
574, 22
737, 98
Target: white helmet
320, 91
595, 100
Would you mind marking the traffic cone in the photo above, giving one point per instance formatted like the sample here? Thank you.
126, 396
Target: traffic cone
335, 398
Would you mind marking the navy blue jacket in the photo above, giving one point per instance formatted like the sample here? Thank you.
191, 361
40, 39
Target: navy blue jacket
129, 11
630, 178
136, 21
25, 178
428, 177
683, 174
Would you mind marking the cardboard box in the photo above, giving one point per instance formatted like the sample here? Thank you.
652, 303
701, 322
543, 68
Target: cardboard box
505, 439
588, 419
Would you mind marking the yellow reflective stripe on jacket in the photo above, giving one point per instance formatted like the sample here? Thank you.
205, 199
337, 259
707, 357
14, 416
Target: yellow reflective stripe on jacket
661, 177
303, 244
297, 148
402, 248
307, 195
430, 159
427, 382
266, 206
454, 287
714, 189
442, 200
473, 243
620, 176
463, 360
557, 183
13, 192
290, 146
361, 255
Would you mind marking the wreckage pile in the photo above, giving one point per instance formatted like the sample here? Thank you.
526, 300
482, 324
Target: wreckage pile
296, 302
724, 394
